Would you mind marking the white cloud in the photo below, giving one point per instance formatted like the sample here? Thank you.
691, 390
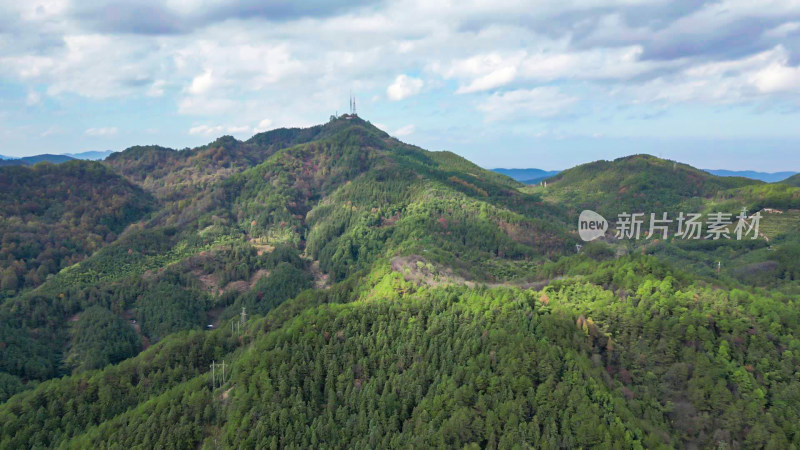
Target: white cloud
101, 132
202, 106
52, 131
202, 83
783, 30
34, 98
544, 101
777, 77
493, 70
215, 130
404, 87
238, 129
725, 82
92, 65
404, 131
156, 89
499, 77
239, 60
245, 67
262, 126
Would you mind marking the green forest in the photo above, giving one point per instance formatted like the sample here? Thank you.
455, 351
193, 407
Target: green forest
362, 292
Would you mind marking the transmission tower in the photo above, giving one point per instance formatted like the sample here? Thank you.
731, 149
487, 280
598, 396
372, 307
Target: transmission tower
353, 111
213, 376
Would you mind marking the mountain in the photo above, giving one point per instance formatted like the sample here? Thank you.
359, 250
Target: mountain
93, 155
527, 176
221, 202
360, 292
770, 177
638, 183
31, 160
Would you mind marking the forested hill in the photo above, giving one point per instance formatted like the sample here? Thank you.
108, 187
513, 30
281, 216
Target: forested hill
636, 183
53, 216
395, 297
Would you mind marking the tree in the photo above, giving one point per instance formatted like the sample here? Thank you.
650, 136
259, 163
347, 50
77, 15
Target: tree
9, 280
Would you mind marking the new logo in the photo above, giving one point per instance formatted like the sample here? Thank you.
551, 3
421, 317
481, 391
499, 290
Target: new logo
591, 225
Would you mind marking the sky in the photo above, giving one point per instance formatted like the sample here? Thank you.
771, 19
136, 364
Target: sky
545, 84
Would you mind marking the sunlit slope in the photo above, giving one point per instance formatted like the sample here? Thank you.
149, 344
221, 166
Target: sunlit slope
385, 362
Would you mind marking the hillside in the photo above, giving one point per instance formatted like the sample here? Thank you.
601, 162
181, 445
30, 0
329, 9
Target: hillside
395, 296
792, 181
53, 216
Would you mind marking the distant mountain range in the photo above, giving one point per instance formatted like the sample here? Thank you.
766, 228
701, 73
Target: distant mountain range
535, 176
31, 160
763, 176
55, 159
528, 176
93, 155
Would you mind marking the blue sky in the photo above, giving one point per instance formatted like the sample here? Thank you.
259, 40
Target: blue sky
547, 84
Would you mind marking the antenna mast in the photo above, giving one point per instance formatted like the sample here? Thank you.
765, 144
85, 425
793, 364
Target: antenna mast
353, 104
